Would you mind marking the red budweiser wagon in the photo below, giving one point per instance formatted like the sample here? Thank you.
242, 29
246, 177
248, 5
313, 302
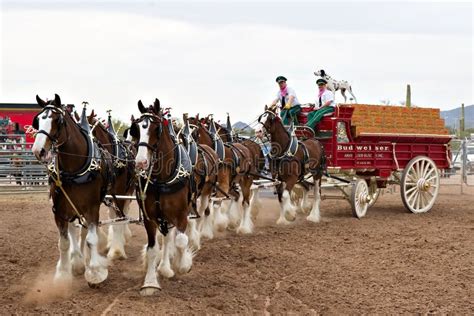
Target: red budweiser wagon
371, 146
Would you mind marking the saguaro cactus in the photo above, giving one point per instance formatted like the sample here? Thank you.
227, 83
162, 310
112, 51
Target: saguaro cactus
408, 100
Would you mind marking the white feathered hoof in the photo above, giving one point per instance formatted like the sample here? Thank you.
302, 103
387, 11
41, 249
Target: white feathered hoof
221, 221
148, 290
207, 230
282, 221
245, 230
165, 270
313, 218
116, 253
77, 263
96, 275
185, 262
290, 215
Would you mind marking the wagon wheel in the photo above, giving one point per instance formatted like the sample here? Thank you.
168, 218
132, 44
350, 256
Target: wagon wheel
419, 184
374, 194
360, 198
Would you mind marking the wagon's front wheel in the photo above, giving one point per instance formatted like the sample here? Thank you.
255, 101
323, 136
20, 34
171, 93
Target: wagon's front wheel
419, 185
360, 198
374, 193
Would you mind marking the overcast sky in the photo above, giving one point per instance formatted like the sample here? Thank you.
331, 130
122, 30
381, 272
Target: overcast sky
217, 57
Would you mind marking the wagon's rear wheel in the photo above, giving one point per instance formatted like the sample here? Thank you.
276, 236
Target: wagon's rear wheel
419, 185
360, 198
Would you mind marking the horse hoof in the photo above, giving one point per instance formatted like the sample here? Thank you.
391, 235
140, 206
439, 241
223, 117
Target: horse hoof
166, 272
149, 290
244, 230
282, 221
314, 219
290, 216
77, 263
96, 275
115, 254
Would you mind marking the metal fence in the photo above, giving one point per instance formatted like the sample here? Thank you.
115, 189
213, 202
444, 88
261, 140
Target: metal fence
462, 170
20, 172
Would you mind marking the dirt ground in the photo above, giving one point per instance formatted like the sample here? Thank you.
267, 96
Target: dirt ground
389, 262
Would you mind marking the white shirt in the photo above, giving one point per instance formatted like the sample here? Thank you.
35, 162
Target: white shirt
290, 91
325, 97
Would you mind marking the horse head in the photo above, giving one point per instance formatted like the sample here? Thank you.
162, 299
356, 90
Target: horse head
49, 123
147, 129
269, 118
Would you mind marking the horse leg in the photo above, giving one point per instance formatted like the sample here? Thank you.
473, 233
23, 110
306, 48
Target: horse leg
288, 209
255, 204
63, 267
314, 215
206, 227
116, 237
152, 253
221, 219
184, 258
235, 211
77, 259
96, 270
246, 224
305, 205
165, 263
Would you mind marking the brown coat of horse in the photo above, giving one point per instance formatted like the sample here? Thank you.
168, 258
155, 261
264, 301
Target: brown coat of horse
57, 130
290, 169
123, 184
165, 203
230, 174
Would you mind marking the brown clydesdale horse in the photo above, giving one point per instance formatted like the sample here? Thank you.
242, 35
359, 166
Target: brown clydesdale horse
228, 136
236, 169
205, 172
123, 184
79, 174
291, 162
165, 173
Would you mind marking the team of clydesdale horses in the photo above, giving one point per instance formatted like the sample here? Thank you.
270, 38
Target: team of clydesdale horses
189, 182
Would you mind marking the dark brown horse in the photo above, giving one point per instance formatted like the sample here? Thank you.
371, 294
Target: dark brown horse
123, 184
235, 178
79, 173
164, 194
205, 172
228, 136
291, 162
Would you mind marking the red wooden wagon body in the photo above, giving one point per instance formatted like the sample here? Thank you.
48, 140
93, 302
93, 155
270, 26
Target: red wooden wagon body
410, 159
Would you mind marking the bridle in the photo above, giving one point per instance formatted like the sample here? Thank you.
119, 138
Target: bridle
61, 122
146, 119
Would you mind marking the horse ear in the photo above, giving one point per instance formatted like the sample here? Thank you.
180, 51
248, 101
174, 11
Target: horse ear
266, 107
197, 117
132, 118
41, 103
57, 100
157, 106
141, 107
